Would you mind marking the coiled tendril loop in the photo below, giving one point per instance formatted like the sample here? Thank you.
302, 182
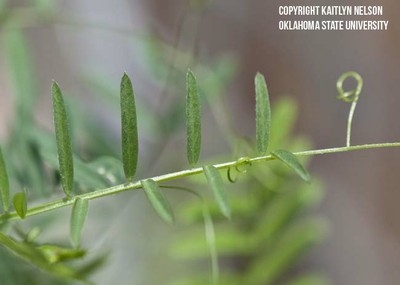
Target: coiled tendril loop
243, 161
350, 96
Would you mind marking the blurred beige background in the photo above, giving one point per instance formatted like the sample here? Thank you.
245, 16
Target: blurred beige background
362, 187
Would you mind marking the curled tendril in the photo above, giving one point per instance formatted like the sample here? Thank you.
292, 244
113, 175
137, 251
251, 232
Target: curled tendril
353, 94
243, 161
350, 96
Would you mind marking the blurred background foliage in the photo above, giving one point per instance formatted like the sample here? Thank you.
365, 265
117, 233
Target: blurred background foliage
87, 46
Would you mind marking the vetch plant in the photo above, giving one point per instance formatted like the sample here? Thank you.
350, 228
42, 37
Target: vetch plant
53, 258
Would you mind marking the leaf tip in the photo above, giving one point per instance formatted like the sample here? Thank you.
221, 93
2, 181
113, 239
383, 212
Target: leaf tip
125, 75
55, 88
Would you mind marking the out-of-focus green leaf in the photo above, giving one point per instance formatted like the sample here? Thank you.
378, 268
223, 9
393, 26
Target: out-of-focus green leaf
215, 78
29, 171
56, 254
21, 66
283, 209
200, 4
211, 246
283, 119
45, 7
157, 200
193, 119
35, 256
4, 184
217, 186
296, 241
214, 81
229, 242
201, 279
241, 206
63, 139
155, 57
129, 132
263, 115
20, 204
103, 89
309, 279
108, 168
93, 265
32, 235
78, 217
291, 160
4, 13
87, 175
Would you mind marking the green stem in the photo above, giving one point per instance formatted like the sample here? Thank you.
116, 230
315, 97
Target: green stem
46, 207
350, 119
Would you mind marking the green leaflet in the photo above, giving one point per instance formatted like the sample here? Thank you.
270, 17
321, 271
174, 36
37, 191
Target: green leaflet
193, 119
63, 140
291, 160
4, 184
217, 186
129, 132
78, 217
263, 115
157, 200
20, 204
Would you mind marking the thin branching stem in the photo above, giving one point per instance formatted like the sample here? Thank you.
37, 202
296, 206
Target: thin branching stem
46, 207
